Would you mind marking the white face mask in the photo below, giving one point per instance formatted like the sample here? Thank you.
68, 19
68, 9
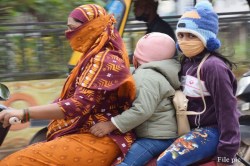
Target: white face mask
191, 48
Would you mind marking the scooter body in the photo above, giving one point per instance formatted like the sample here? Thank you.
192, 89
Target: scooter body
243, 94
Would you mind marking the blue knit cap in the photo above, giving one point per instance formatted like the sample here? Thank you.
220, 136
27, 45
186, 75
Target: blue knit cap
202, 22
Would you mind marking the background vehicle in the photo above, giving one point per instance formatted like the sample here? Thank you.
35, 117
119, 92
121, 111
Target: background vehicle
243, 93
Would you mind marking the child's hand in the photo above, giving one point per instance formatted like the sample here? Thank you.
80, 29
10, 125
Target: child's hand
103, 128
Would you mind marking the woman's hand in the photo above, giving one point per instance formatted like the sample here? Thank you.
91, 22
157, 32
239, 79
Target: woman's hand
103, 128
6, 114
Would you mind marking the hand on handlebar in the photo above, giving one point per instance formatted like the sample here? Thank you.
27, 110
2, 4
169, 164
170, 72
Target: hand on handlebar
10, 116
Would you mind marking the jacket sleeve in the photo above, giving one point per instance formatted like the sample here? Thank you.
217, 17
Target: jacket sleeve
147, 99
221, 84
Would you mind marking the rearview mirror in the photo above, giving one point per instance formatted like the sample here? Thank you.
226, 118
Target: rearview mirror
4, 92
4, 95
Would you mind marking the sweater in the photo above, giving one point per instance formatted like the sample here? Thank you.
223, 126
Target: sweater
219, 88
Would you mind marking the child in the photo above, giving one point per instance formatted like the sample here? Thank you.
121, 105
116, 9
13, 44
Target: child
152, 113
215, 133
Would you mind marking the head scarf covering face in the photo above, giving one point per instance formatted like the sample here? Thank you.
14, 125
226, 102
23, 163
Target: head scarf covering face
97, 36
85, 14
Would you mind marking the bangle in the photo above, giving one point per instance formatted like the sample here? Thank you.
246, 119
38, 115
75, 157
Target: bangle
26, 115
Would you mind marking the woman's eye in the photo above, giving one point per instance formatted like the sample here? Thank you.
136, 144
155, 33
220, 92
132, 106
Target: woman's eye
71, 27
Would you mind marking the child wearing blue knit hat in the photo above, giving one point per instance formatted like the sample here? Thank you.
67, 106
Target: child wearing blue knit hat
214, 133
202, 22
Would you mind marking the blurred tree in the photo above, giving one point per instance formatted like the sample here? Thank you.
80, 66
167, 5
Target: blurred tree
4, 13
43, 10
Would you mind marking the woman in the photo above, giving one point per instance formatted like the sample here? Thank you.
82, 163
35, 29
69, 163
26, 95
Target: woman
99, 87
215, 133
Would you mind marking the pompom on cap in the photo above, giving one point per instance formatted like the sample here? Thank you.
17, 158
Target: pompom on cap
202, 21
204, 5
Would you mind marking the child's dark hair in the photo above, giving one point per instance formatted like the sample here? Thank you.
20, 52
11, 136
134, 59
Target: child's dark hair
230, 64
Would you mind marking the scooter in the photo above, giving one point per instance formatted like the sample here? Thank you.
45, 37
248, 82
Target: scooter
243, 95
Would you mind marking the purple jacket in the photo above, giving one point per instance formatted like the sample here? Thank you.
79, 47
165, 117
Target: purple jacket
219, 88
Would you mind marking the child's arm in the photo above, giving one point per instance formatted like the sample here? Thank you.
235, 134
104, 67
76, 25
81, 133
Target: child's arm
221, 84
142, 109
149, 94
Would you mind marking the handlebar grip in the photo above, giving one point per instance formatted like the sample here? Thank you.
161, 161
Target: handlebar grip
14, 120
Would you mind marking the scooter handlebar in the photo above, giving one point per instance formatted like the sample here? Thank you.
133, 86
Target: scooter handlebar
14, 120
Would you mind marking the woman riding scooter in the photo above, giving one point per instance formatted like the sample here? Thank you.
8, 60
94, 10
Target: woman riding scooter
98, 88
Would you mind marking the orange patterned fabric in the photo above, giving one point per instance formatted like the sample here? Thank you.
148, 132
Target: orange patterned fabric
100, 86
86, 13
73, 150
97, 31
